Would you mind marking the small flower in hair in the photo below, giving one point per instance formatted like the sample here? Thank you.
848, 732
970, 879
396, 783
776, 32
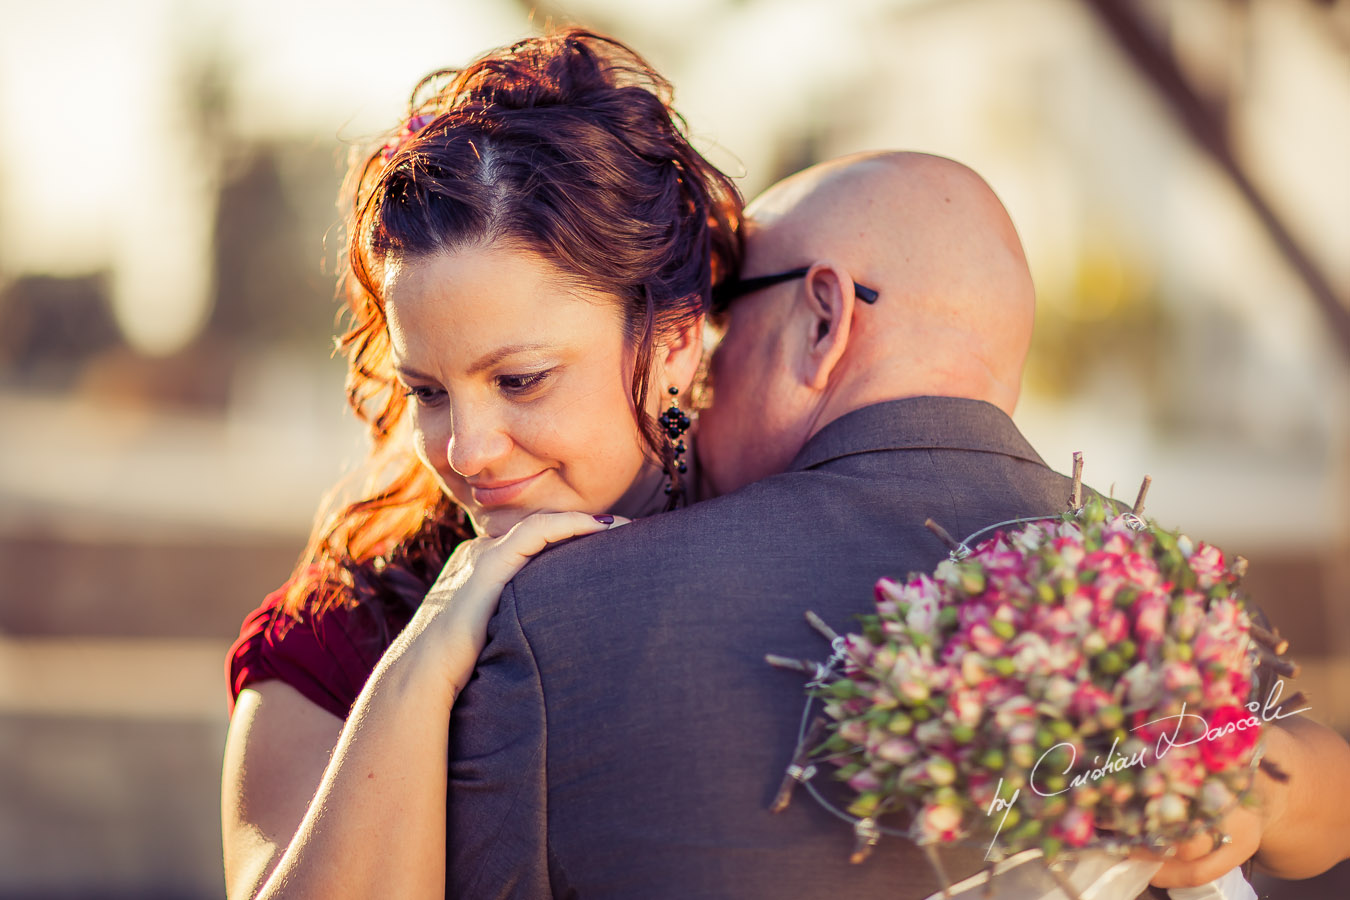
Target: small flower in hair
410, 128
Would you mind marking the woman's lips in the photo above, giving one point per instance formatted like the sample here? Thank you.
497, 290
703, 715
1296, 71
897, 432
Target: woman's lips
500, 493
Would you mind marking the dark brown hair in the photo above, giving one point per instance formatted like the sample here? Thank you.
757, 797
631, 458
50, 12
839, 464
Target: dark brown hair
564, 145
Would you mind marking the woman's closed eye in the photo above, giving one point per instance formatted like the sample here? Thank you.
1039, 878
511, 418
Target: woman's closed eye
425, 396
519, 385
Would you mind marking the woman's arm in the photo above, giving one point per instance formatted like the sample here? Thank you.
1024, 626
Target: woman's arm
278, 747
369, 822
375, 826
1311, 832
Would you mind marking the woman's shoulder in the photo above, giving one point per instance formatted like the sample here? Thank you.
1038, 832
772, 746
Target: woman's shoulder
327, 654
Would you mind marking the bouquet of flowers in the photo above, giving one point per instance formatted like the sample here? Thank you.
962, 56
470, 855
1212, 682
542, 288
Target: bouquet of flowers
1086, 680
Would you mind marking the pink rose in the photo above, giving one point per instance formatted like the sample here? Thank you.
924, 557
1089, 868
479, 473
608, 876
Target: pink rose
1088, 699
1208, 565
1022, 733
937, 822
1142, 685
1239, 687
1233, 732
1226, 614
1180, 676
859, 647
1058, 692
1075, 827
1183, 768
932, 733
966, 705
971, 613
1150, 618
1114, 626
1070, 550
897, 750
1014, 710
982, 790
1031, 654
883, 593
1141, 571
865, 781
983, 639
884, 658
854, 731
973, 671
1117, 543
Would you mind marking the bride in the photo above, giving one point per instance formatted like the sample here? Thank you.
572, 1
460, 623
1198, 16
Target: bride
530, 265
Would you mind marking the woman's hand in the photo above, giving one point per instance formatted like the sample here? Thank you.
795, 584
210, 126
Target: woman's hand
465, 594
1206, 857
1299, 828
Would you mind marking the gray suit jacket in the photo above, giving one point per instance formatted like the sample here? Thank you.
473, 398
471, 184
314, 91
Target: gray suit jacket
623, 736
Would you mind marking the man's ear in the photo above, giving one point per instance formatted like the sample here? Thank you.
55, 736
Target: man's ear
677, 357
830, 302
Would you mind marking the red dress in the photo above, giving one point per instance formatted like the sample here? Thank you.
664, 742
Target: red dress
327, 658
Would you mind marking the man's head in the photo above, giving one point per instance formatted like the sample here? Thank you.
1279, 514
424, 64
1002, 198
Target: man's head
952, 316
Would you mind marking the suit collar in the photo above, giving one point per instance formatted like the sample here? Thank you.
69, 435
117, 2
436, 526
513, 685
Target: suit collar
917, 423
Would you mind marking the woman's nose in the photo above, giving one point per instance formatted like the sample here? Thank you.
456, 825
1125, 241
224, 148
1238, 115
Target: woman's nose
477, 440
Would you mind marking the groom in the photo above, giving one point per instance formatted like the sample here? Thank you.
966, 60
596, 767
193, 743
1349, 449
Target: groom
872, 359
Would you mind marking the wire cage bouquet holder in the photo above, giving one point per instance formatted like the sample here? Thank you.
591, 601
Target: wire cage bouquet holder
1058, 690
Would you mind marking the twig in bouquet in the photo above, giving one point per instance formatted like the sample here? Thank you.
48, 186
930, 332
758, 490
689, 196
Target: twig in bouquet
935, 861
800, 769
1143, 492
819, 625
1284, 667
1076, 495
838, 643
865, 837
1270, 639
1062, 882
818, 671
958, 549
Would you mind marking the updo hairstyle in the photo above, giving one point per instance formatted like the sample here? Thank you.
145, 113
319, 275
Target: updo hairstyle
563, 145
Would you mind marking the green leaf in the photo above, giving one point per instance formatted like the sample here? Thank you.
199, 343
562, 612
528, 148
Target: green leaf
900, 723
866, 805
843, 689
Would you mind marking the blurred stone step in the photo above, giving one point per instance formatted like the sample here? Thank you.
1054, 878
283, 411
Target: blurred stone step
192, 589
96, 807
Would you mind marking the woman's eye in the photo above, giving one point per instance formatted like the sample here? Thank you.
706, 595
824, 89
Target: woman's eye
425, 396
521, 384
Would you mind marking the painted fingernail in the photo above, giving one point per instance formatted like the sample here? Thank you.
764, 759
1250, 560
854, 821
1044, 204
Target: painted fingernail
604, 519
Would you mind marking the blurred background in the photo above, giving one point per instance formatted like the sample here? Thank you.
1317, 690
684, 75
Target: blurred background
170, 412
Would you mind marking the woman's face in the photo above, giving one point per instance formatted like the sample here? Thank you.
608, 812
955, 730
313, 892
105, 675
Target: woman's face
518, 384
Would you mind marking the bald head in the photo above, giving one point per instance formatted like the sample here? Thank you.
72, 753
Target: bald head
952, 318
955, 313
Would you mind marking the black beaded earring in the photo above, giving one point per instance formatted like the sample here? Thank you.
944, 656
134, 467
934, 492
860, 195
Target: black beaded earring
675, 423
